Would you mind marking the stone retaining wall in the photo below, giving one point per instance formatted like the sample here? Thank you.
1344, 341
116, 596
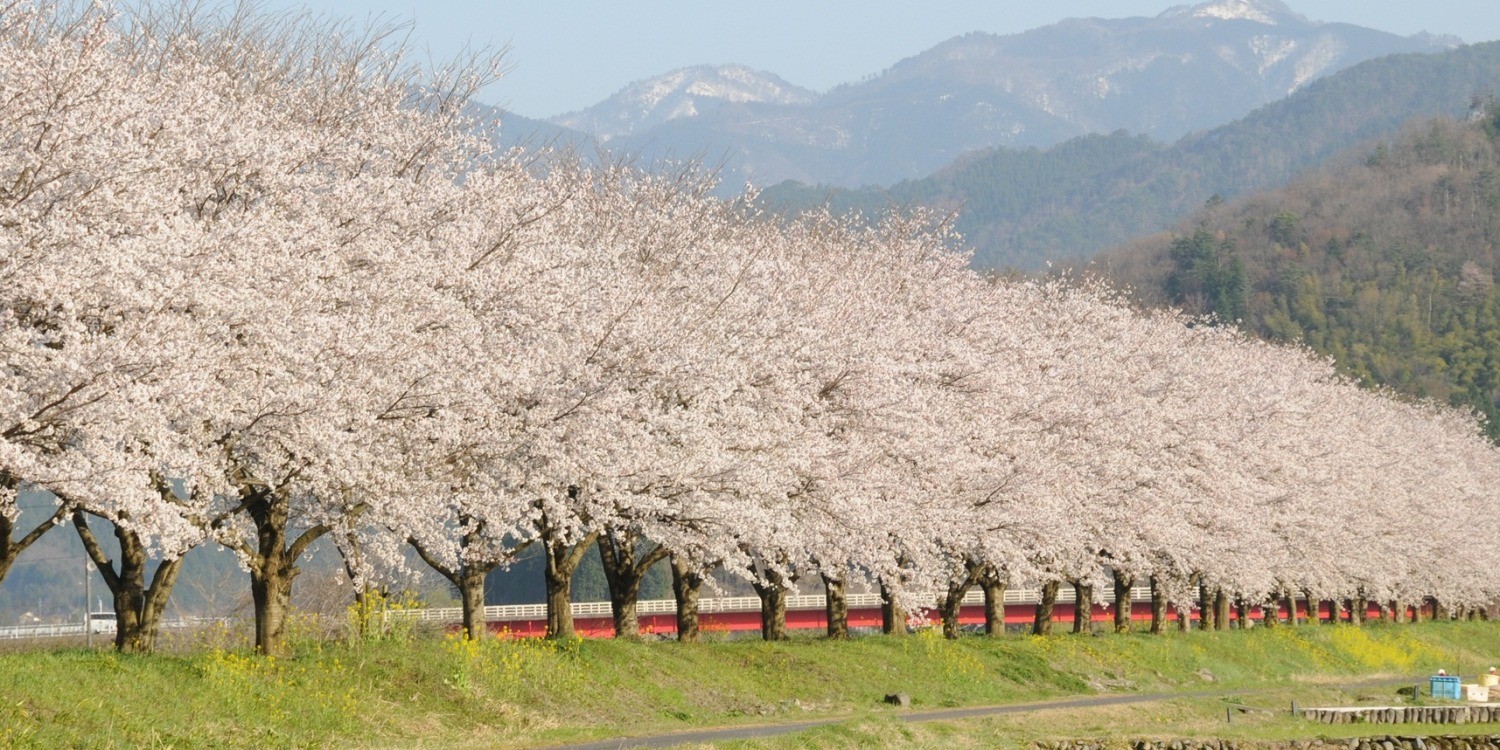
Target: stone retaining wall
1469, 714
1386, 742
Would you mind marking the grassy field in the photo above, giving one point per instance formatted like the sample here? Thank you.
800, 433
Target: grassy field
436, 692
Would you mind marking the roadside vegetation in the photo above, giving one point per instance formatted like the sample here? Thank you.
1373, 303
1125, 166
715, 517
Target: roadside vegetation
432, 690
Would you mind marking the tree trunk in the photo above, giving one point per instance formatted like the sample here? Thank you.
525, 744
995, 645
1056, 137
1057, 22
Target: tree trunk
271, 591
624, 571
954, 599
1314, 614
1360, 611
837, 608
1242, 612
138, 606
1205, 607
1122, 601
772, 593
562, 562
1041, 624
1269, 616
350, 553
273, 565
471, 593
467, 578
686, 582
1291, 608
1221, 610
994, 604
1083, 607
892, 615
1158, 607
11, 548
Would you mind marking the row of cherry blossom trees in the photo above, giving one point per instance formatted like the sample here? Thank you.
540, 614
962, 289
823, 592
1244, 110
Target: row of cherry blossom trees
270, 283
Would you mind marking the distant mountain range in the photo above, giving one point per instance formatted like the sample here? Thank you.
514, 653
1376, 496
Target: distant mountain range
1024, 208
1187, 69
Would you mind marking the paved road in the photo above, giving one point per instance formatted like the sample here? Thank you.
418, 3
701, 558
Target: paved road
944, 714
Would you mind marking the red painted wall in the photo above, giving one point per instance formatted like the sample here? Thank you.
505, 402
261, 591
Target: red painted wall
869, 617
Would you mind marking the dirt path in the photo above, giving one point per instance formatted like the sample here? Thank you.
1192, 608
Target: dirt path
944, 714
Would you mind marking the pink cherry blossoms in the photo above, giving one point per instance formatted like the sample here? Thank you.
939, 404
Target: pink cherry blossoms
269, 282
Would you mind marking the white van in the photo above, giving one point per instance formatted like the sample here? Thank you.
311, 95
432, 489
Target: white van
102, 622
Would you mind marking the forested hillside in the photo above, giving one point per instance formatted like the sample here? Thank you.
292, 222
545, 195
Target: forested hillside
1384, 261
1023, 209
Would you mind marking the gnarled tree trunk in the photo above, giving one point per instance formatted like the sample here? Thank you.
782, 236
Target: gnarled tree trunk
1314, 613
953, 600
836, 608
994, 603
686, 583
892, 615
468, 577
1122, 585
12, 548
271, 592
272, 562
1041, 624
1083, 607
351, 554
1221, 610
562, 561
138, 606
624, 571
1205, 607
772, 593
1158, 607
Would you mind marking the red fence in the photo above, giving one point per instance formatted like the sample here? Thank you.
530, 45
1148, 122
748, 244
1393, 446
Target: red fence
859, 617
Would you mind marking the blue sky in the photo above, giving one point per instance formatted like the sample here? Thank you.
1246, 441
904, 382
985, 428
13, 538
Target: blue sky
569, 54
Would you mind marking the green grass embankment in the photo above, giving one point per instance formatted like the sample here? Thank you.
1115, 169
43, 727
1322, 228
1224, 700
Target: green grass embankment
440, 692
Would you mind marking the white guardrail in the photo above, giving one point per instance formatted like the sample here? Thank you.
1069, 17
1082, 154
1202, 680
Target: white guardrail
20, 632
514, 612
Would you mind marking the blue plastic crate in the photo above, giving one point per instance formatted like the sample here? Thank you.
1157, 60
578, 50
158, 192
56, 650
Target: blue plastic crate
1446, 687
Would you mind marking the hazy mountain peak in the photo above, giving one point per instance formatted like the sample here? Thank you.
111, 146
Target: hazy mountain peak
685, 92
1268, 12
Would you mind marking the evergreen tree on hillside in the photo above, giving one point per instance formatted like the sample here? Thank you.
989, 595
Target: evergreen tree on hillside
1385, 262
1207, 277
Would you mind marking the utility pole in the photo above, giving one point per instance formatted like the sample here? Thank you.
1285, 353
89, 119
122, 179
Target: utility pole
88, 623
